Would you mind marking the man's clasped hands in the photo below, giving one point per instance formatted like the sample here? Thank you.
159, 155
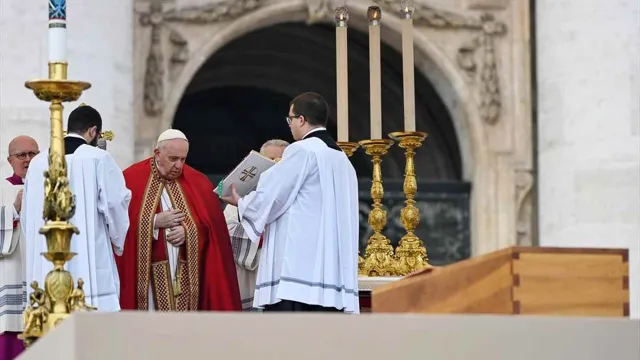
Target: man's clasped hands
172, 221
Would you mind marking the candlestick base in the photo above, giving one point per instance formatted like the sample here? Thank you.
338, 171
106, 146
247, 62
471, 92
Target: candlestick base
349, 148
411, 254
378, 258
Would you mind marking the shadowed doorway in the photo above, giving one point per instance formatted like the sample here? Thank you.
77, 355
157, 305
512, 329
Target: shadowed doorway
239, 99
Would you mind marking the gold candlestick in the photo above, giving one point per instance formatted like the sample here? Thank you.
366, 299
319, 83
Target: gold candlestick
411, 253
59, 298
378, 257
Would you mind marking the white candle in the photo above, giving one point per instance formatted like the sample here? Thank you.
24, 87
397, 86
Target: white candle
342, 73
407, 66
374, 15
57, 30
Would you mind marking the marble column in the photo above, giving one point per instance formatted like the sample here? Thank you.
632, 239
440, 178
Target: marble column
589, 127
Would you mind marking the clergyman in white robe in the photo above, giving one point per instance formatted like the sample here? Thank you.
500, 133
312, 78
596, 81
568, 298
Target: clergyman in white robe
306, 209
12, 282
102, 202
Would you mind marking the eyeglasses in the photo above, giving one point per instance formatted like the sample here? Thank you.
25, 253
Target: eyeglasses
23, 155
290, 118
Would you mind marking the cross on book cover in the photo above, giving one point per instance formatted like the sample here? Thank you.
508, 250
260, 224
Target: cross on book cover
245, 175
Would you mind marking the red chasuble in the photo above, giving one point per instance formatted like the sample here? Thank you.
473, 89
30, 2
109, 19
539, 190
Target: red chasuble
206, 275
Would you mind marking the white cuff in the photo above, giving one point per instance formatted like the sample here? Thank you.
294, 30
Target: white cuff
156, 231
16, 215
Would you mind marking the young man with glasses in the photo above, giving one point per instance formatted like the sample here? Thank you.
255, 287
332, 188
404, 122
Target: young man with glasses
306, 210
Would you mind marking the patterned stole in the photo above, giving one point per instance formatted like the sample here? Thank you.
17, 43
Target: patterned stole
185, 295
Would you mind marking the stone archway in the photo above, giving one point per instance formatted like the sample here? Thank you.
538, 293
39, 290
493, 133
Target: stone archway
491, 115
291, 58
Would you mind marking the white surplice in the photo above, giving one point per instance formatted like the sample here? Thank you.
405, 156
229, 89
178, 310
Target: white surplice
102, 202
245, 254
307, 207
12, 272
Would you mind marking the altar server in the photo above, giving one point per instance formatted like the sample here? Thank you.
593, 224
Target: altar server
102, 202
306, 209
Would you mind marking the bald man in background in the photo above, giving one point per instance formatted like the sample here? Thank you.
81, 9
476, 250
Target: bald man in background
21, 150
12, 273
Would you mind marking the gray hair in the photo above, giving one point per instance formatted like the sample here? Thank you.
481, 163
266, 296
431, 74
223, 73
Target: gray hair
273, 142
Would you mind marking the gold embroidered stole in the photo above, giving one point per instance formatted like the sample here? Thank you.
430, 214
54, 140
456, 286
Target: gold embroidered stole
158, 273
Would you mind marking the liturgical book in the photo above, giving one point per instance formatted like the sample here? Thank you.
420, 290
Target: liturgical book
246, 175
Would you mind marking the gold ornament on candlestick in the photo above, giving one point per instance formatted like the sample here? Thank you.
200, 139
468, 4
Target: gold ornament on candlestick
411, 254
107, 135
349, 148
49, 307
378, 257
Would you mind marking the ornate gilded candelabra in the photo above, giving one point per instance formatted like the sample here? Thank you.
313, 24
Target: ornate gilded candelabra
48, 307
378, 257
411, 254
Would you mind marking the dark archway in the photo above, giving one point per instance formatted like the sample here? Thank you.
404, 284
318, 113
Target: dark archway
239, 98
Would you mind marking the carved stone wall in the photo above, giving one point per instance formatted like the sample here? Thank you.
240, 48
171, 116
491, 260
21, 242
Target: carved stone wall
476, 53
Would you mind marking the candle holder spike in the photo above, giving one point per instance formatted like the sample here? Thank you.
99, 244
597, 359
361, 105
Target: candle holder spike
411, 254
407, 8
378, 258
48, 307
374, 14
341, 15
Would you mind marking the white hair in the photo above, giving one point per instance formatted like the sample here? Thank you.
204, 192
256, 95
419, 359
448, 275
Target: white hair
273, 142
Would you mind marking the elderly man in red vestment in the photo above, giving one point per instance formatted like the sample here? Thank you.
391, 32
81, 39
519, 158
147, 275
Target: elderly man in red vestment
177, 254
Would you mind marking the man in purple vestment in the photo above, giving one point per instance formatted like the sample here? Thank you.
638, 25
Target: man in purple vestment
21, 150
12, 283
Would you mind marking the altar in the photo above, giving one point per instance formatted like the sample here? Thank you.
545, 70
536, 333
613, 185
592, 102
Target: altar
366, 285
